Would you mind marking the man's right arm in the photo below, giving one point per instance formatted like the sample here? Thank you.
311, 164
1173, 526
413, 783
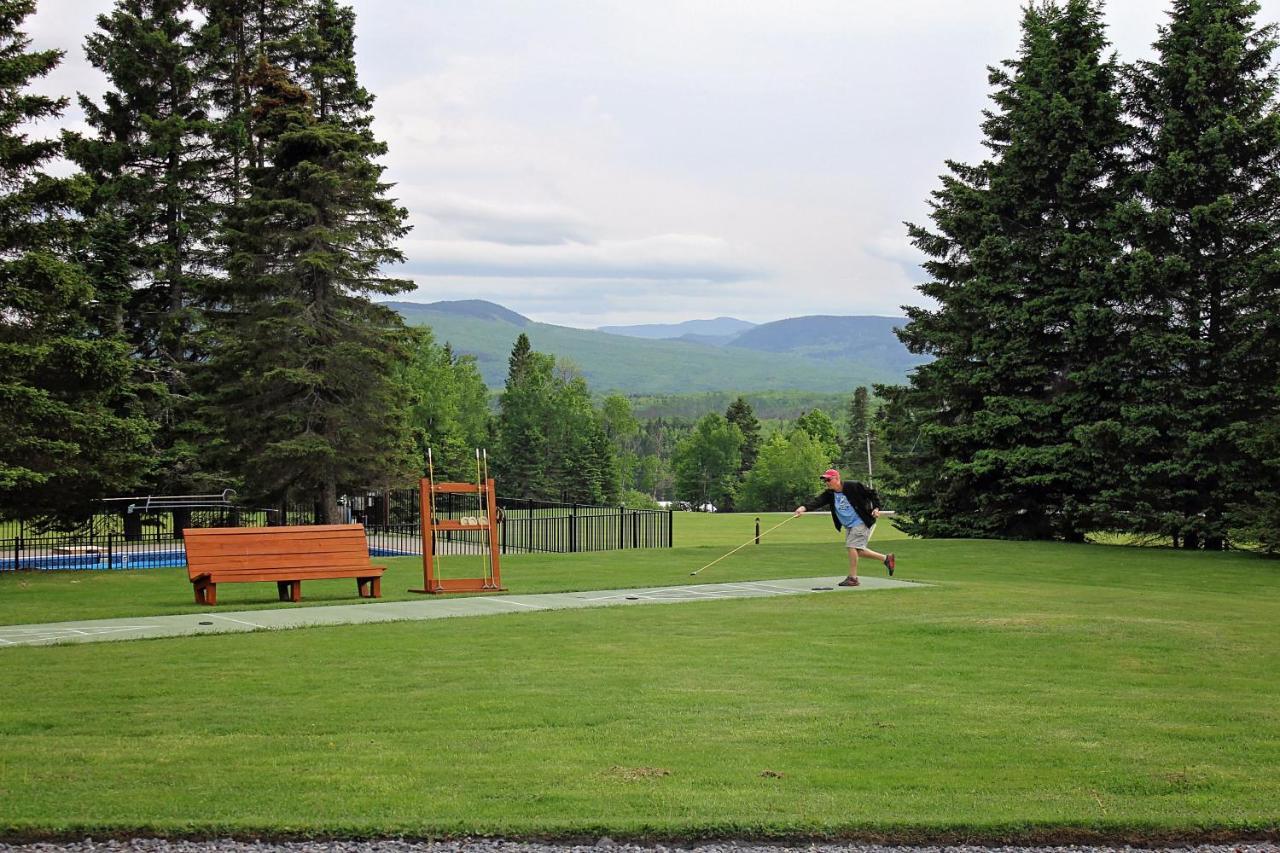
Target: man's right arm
819, 501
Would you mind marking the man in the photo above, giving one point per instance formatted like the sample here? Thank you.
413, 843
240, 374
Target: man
855, 508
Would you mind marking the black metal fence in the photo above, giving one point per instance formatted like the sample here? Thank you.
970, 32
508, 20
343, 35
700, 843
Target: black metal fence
129, 539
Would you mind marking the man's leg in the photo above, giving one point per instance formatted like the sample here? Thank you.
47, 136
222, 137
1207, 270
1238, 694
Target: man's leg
888, 559
852, 579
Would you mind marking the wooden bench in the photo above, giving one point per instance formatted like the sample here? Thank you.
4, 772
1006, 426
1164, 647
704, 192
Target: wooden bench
286, 555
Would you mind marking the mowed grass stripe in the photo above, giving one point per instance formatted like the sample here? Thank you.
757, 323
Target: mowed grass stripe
1034, 689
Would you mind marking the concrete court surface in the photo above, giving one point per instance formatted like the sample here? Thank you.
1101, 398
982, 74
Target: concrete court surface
214, 621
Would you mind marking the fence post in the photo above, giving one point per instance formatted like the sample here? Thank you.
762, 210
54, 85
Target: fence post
17, 550
110, 536
573, 530
622, 527
757, 530
670, 528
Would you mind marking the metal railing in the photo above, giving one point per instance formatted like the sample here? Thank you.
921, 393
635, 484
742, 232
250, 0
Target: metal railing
392, 526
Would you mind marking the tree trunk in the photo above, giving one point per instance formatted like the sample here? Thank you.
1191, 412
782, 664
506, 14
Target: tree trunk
330, 512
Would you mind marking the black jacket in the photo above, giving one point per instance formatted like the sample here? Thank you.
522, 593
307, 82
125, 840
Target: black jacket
864, 500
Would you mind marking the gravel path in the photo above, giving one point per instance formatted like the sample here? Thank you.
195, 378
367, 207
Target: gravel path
145, 845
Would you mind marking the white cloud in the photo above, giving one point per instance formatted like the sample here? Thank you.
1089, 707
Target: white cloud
519, 223
610, 161
897, 248
666, 257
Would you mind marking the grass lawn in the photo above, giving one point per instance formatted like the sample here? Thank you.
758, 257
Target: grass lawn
1034, 691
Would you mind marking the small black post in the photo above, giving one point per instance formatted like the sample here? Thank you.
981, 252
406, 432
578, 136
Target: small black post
132, 526
757, 530
181, 521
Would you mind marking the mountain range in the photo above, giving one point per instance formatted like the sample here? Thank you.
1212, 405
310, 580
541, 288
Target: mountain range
820, 353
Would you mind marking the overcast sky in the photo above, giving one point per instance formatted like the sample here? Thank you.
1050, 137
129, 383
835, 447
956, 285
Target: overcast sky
592, 162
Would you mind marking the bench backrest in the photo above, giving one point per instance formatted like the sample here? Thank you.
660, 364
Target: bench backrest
230, 551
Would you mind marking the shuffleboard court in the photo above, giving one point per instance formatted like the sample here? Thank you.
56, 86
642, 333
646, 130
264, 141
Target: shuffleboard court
213, 621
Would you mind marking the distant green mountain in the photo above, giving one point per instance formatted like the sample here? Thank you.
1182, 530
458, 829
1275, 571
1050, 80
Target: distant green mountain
869, 340
720, 327
632, 365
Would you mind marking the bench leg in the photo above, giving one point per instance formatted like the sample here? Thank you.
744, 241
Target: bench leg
369, 587
206, 593
289, 590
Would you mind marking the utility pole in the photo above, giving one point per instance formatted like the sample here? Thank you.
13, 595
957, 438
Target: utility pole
871, 483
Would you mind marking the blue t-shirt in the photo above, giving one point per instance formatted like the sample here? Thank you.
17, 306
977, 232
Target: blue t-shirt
845, 512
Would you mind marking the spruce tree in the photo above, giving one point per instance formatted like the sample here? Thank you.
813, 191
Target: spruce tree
1021, 260
1204, 309
522, 464
234, 36
581, 460
329, 53
151, 213
860, 429
743, 416
72, 430
301, 383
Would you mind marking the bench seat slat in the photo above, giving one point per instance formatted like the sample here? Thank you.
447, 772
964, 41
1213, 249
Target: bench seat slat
315, 574
291, 571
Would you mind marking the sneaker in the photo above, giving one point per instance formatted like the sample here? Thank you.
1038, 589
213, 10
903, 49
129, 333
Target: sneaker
850, 582
890, 563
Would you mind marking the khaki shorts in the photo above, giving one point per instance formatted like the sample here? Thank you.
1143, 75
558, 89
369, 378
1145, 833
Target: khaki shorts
857, 537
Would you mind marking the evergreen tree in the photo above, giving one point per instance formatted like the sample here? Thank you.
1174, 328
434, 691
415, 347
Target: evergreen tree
1255, 518
582, 462
301, 382
525, 413
741, 415
554, 444
521, 359
234, 37
329, 54
151, 211
1022, 260
1204, 309
861, 427
72, 430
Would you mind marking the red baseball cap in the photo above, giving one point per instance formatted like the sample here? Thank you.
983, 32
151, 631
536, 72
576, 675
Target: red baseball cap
830, 474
